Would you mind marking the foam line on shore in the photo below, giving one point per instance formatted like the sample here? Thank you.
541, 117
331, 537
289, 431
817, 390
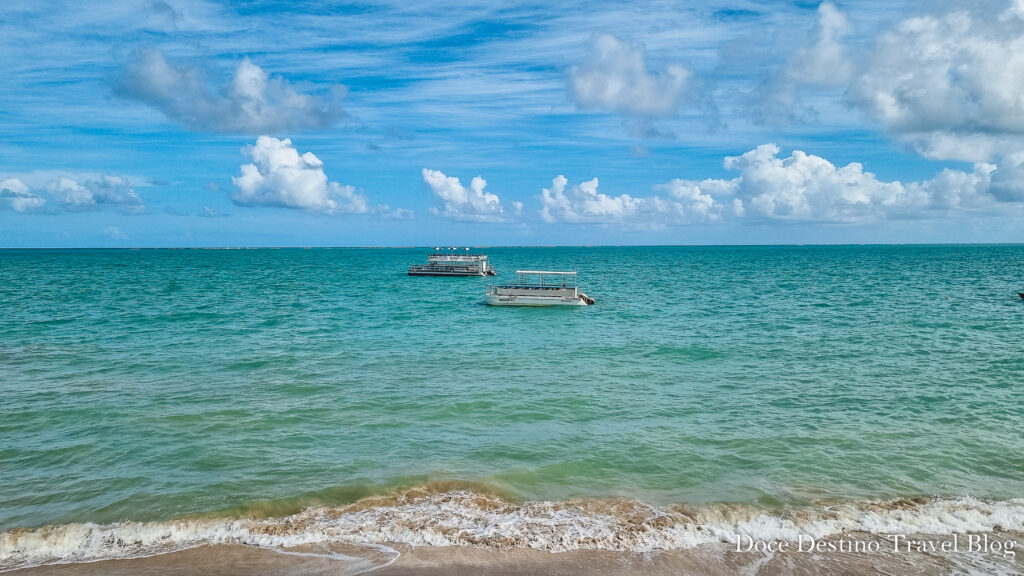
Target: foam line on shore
465, 518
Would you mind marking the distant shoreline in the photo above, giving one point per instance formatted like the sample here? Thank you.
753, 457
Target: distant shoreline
529, 246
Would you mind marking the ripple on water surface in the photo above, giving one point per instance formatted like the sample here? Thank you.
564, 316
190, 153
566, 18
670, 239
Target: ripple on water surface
147, 385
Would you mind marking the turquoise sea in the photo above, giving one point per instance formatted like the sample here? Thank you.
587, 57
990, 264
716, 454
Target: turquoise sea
170, 388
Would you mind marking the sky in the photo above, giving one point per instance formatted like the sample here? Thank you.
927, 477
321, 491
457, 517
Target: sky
379, 123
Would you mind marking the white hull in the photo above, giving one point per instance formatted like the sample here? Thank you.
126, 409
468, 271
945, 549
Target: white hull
503, 300
443, 273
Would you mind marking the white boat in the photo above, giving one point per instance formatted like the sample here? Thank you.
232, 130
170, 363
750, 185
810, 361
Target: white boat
538, 288
453, 264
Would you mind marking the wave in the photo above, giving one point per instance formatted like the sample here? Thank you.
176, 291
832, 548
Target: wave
421, 517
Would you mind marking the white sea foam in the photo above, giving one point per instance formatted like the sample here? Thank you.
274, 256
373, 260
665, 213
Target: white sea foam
463, 518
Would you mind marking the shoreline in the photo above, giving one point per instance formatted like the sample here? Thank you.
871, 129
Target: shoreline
402, 560
436, 530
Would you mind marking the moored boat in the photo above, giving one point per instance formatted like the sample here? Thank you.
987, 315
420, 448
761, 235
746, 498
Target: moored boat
453, 264
538, 288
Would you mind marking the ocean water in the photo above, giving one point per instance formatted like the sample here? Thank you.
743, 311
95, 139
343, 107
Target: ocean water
279, 397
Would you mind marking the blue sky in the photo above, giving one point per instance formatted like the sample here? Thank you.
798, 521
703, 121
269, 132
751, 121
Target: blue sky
195, 123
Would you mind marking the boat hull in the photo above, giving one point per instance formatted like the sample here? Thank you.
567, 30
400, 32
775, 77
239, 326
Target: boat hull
415, 273
532, 301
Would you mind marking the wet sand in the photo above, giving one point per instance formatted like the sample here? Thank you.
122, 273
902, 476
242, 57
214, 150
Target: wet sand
711, 560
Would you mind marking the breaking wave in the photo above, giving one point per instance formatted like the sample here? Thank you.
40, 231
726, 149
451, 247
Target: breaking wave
421, 517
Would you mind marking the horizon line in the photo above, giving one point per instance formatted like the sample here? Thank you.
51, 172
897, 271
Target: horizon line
426, 247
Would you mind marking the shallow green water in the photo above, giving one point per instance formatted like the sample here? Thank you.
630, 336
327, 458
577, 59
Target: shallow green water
152, 384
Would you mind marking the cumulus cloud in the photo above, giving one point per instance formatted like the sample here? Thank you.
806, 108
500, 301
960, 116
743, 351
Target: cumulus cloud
805, 187
949, 84
615, 77
583, 203
17, 196
468, 204
280, 176
821, 61
800, 187
1008, 179
952, 85
105, 191
251, 103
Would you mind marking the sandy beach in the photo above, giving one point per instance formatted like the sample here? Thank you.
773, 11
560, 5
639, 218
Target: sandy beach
711, 560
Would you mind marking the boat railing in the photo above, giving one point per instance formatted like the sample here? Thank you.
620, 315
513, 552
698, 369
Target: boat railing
545, 278
457, 255
529, 288
536, 286
459, 266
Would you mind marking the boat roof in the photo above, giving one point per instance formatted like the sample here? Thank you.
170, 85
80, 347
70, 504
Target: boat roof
457, 255
572, 273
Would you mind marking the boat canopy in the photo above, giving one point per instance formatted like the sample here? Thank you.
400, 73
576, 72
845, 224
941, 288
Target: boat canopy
547, 277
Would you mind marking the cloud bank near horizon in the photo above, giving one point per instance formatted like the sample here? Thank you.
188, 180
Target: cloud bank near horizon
18, 197
800, 187
768, 187
71, 193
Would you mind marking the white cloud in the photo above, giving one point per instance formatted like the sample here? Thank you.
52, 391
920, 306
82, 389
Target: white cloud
280, 176
386, 211
461, 203
804, 187
614, 77
823, 59
208, 212
693, 203
583, 203
952, 85
15, 194
1014, 12
251, 103
114, 233
107, 190
71, 193
1008, 179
